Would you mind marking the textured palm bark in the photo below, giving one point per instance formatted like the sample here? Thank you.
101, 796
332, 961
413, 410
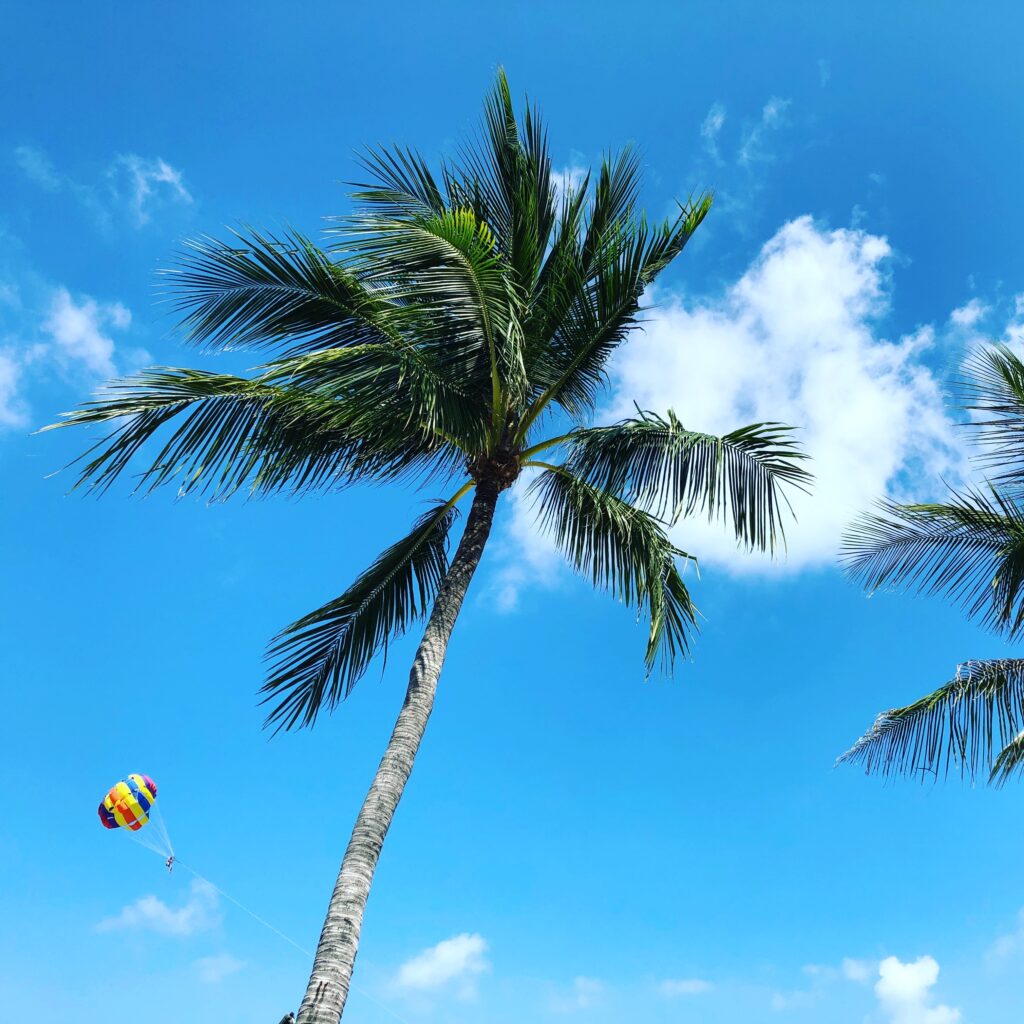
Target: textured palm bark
328, 988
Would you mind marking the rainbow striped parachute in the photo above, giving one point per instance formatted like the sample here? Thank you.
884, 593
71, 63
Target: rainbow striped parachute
128, 803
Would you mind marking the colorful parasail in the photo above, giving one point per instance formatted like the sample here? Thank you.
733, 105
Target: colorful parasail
128, 803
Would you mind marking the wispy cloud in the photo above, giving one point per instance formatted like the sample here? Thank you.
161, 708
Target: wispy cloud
1009, 946
148, 181
711, 128
199, 912
38, 168
454, 962
583, 994
754, 141
212, 969
737, 161
13, 410
673, 988
131, 185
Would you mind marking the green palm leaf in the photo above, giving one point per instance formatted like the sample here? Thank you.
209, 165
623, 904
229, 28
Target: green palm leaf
994, 395
623, 550
265, 291
318, 659
962, 725
605, 307
655, 462
231, 432
970, 549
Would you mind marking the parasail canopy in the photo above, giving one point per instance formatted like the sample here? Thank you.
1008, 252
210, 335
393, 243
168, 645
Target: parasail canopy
128, 803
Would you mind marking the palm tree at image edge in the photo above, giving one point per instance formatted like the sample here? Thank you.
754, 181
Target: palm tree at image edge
454, 321
970, 549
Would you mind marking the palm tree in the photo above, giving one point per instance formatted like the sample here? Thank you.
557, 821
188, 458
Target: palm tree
971, 549
455, 334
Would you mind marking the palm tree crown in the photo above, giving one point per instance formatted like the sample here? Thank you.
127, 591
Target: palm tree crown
451, 320
971, 549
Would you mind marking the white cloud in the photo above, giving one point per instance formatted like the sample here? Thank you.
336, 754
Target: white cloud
753, 147
47, 332
795, 340
671, 988
571, 176
1008, 946
38, 168
710, 129
584, 994
857, 970
199, 912
524, 554
12, 408
212, 969
131, 183
456, 960
968, 315
77, 329
904, 992
148, 180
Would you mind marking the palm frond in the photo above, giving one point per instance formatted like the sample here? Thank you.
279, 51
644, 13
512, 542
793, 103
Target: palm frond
623, 550
506, 177
655, 462
403, 186
993, 393
448, 262
412, 386
318, 659
970, 549
614, 205
605, 309
961, 726
233, 432
1009, 763
265, 291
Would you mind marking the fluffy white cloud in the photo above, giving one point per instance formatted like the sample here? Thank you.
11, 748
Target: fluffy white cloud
968, 315
674, 987
904, 992
458, 960
795, 340
212, 969
78, 330
46, 330
199, 912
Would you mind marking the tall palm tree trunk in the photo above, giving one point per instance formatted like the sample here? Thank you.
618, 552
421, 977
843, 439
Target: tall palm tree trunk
328, 987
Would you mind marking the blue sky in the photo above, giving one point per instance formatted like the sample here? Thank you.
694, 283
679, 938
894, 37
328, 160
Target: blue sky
576, 844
